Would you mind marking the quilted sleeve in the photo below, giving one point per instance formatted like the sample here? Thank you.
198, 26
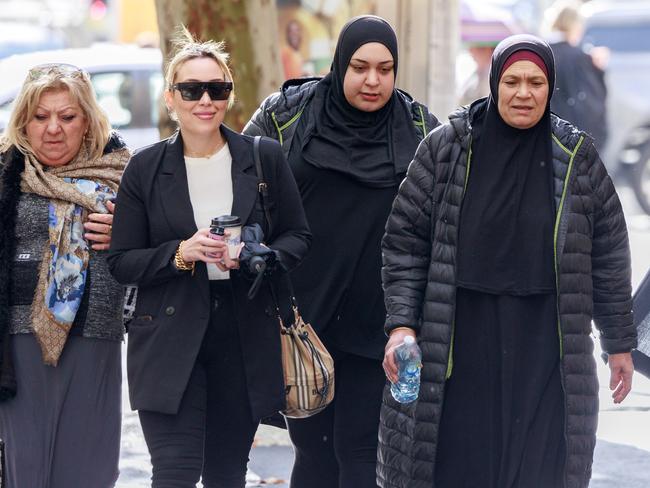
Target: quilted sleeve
611, 266
407, 241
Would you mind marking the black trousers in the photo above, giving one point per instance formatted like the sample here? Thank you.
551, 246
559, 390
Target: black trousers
338, 447
211, 435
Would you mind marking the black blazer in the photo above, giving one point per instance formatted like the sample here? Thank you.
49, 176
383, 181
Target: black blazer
153, 213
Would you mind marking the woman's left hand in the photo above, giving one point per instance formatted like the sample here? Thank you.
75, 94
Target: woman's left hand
622, 368
99, 228
227, 263
395, 340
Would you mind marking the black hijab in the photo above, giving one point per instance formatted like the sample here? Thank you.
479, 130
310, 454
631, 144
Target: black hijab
374, 148
507, 218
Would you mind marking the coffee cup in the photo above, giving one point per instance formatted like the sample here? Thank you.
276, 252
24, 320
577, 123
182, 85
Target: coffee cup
232, 225
217, 233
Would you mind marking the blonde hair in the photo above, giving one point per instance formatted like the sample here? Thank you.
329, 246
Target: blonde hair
187, 47
564, 16
48, 78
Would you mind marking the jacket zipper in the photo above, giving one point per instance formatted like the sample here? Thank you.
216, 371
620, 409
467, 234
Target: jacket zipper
556, 229
279, 128
450, 357
422, 123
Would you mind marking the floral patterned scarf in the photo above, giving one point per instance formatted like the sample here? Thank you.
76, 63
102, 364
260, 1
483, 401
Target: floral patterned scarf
80, 186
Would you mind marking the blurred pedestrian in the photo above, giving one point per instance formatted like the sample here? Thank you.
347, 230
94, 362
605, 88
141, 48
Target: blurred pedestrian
204, 361
60, 310
349, 138
292, 61
478, 84
580, 90
505, 239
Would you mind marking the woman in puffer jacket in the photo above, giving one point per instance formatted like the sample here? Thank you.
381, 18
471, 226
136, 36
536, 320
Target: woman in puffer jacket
348, 138
506, 239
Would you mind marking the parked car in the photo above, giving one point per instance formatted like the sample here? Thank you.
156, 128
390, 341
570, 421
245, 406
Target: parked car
624, 27
128, 81
22, 37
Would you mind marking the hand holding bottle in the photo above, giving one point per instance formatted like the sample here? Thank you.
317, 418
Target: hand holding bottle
395, 340
409, 362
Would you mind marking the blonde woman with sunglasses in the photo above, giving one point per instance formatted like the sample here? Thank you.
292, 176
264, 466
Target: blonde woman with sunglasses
204, 361
60, 310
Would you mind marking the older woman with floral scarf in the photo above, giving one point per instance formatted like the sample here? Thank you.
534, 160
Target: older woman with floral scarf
60, 310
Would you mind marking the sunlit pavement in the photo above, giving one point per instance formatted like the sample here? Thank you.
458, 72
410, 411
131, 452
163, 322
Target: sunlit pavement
622, 458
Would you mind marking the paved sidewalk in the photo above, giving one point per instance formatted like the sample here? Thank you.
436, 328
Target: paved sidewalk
615, 466
622, 458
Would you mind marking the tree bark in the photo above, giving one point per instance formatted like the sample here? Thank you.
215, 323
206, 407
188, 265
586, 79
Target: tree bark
250, 31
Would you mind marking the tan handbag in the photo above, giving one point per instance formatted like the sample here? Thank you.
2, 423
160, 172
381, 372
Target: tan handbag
308, 367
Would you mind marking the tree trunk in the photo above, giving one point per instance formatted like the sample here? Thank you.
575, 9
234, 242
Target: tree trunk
250, 31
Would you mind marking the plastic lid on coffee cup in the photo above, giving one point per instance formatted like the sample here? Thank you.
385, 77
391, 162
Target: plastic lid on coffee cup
226, 221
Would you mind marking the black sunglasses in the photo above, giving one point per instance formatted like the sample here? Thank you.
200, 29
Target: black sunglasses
194, 90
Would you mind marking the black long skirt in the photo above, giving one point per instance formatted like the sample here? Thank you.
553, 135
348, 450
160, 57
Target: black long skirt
502, 422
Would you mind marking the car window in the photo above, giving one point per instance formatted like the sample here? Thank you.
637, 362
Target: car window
628, 37
156, 83
115, 95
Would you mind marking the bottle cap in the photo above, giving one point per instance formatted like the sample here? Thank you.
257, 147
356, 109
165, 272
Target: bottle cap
226, 221
409, 339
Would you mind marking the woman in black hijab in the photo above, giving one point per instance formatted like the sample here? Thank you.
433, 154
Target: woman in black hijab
505, 302
349, 138
520, 241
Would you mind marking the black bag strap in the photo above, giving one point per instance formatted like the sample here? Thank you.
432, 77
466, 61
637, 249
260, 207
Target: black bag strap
262, 186
263, 189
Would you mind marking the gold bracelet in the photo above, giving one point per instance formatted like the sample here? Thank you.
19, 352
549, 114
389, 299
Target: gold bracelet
180, 263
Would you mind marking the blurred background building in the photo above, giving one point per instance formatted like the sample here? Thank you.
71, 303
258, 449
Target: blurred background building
445, 49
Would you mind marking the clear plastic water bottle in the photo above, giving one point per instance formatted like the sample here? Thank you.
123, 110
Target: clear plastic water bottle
409, 362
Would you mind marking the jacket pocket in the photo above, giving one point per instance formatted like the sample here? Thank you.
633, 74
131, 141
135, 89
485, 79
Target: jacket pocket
141, 321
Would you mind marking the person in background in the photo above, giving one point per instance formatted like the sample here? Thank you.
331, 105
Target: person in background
478, 84
580, 91
292, 62
505, 240
349, 138
204, 361
60, 310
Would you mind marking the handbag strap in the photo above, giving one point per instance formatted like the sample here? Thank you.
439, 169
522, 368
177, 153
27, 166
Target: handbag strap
263, 190
262, 186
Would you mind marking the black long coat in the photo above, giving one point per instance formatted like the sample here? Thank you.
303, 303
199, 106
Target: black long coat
592, 268
580, 91
153, 213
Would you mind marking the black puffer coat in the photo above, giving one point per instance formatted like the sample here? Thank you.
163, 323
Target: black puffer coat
276, 116
593, 276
